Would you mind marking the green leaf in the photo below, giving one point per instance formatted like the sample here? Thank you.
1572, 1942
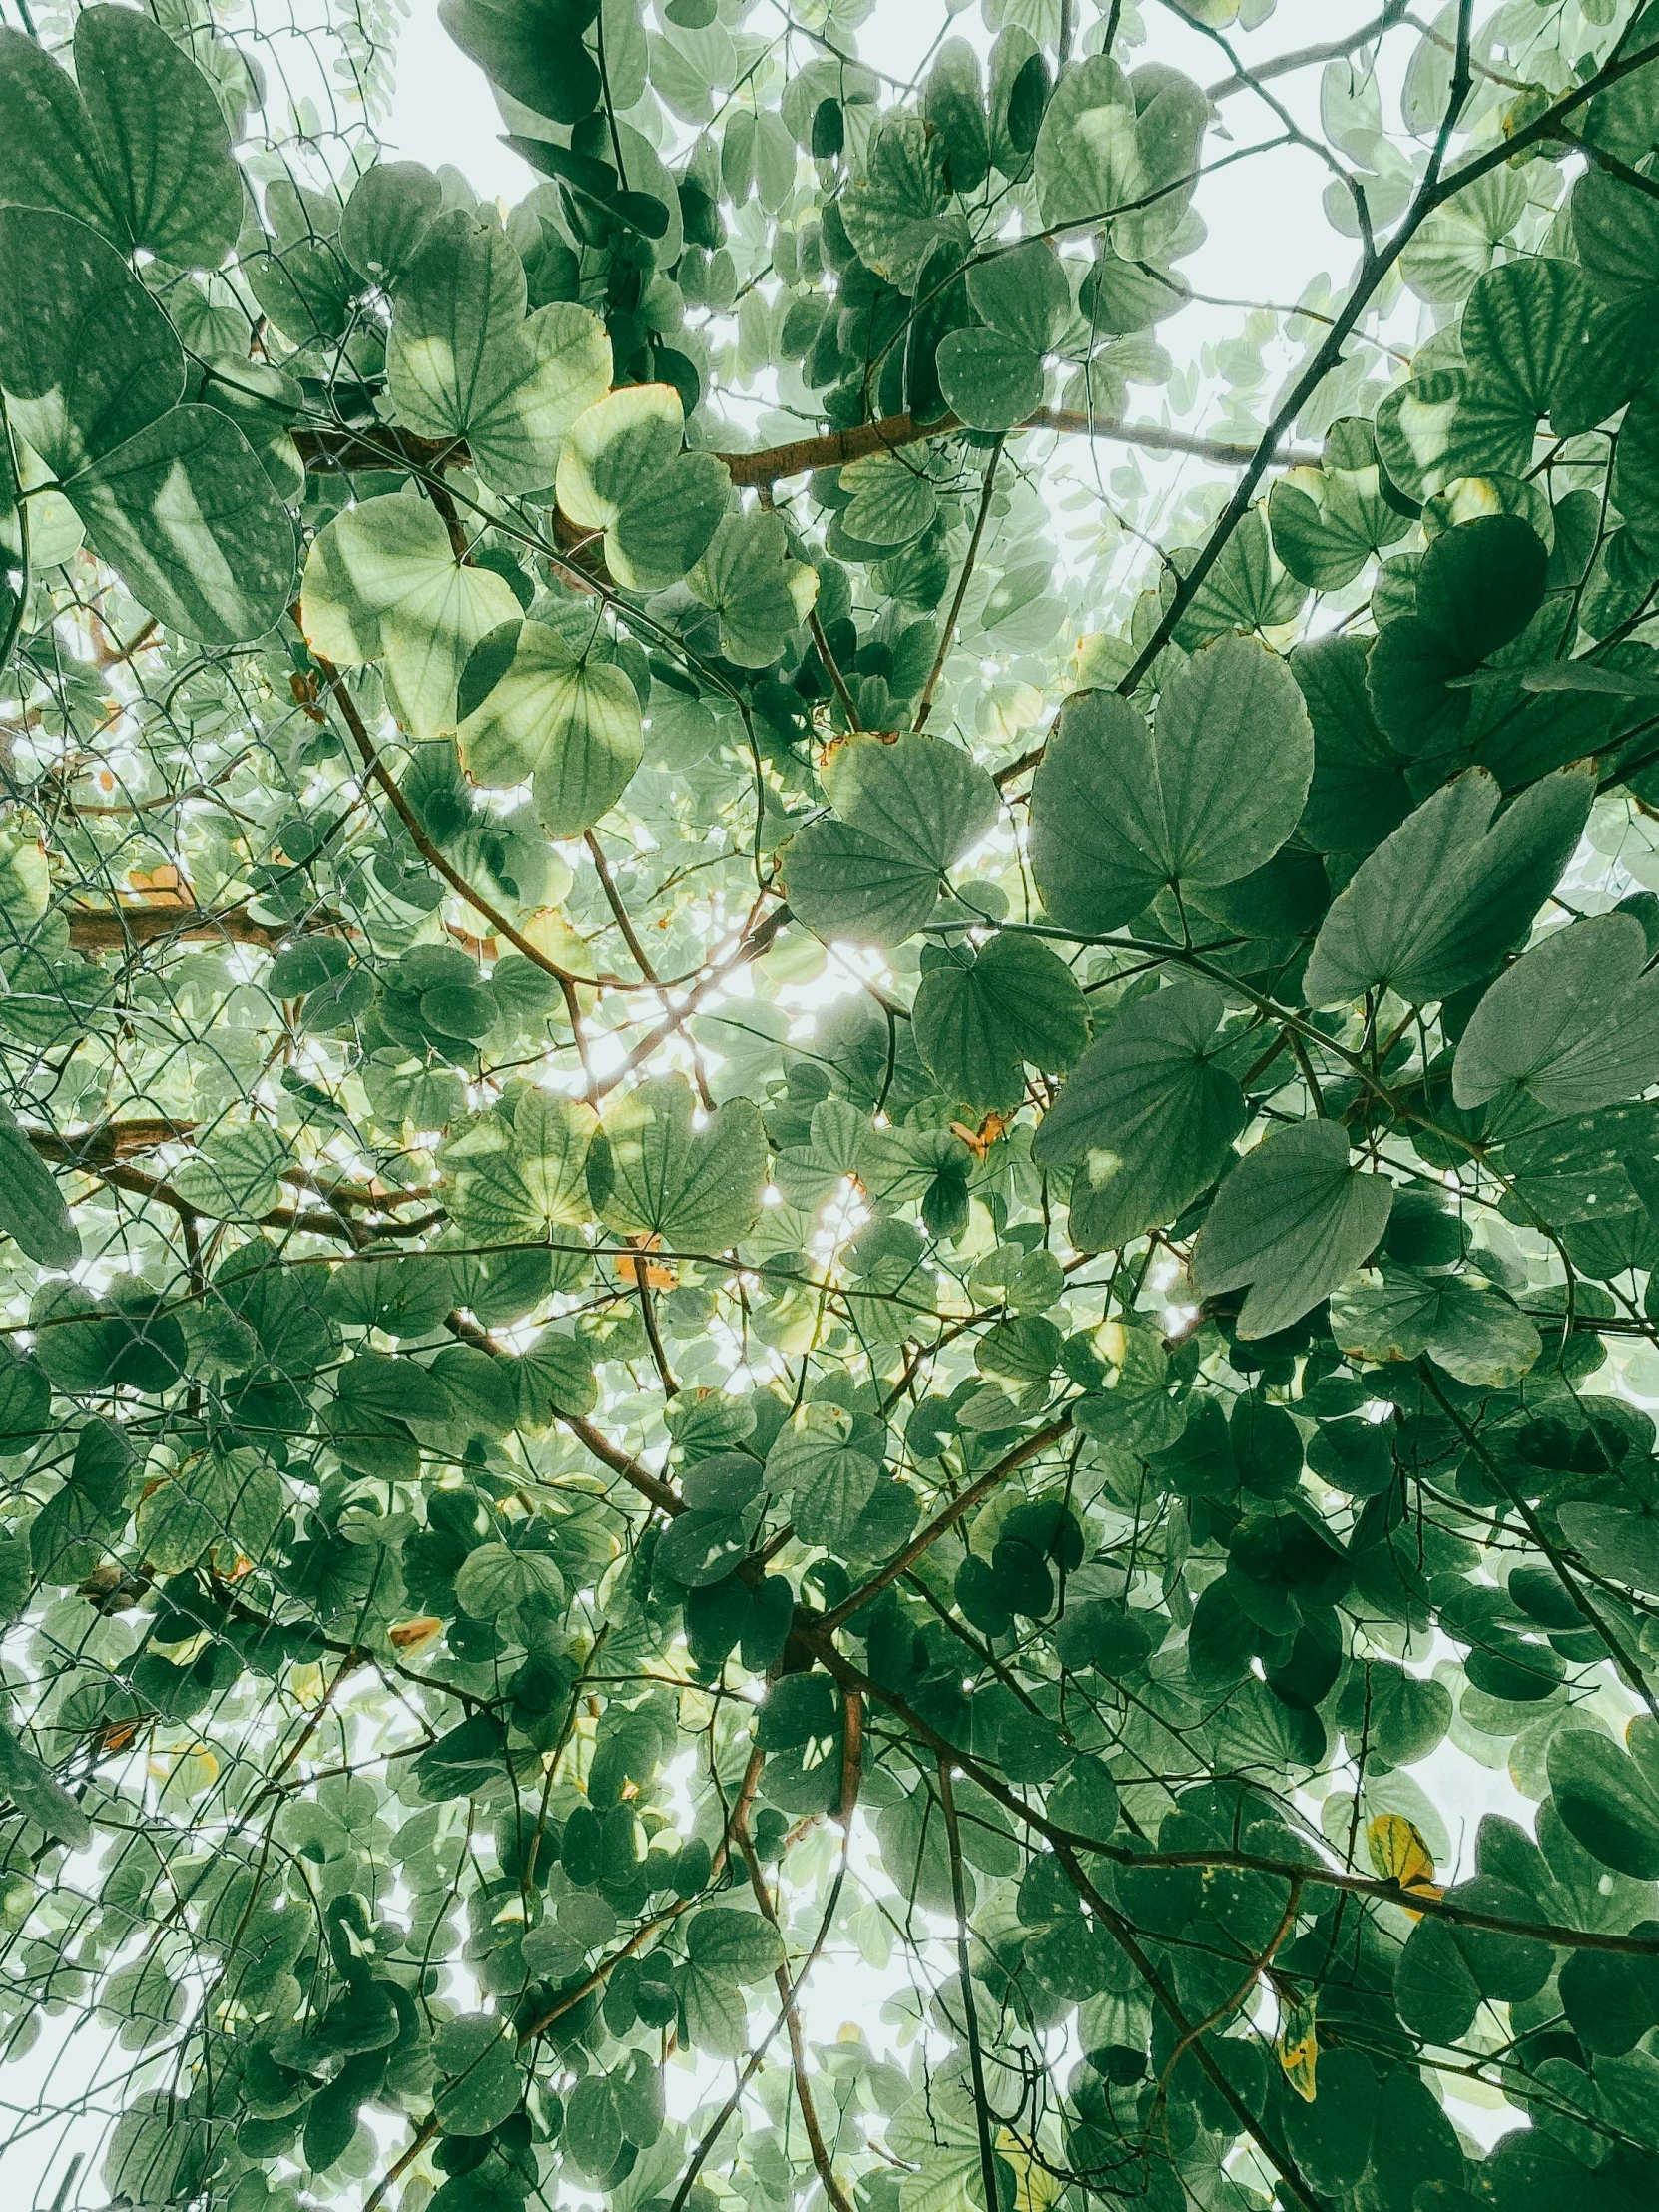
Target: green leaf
955, 105
1439, 903
478, 2076
651, 1172
727, 1952
1621, 1546
1330, 2139
623, 471
392, 209
993, 378
495, 1577
1088, 156
1293, 1220
25, 1404
264, 403
992, 382
1171, 114
739, 1946
1148, 1115
1326, 523
1360, 792
895, 210
567, 721
910, 811
160, 138
237, 1175
831, 1481
532, 48
760, 593
1634, 482
1477, 587
892, 502
1409, 1714
221, 1505
1463, 1324
141, 152
47, 156
1454, 246
518, 1178
981, 1017
1246, 589
38, 1794
1523, 330
464, 362
596, 182
382, 583
32, 1207
1207, 796
1608, 1801
87, 358
1574, 1025
592, 2130
187, 513
1616, 231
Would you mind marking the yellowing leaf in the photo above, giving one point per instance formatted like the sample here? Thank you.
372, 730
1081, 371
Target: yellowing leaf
1036, 2189
1298, 2047
410, 1637
1398, 1853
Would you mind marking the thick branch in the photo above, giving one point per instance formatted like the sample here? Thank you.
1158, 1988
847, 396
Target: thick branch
121, 928
388, 448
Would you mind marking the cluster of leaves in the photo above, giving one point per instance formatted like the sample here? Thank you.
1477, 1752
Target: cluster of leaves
715, 1263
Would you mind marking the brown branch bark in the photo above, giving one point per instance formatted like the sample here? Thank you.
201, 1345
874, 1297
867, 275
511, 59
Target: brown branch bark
123, 928
364, 450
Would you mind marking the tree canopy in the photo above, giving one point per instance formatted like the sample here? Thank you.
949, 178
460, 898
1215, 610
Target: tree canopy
828, 1159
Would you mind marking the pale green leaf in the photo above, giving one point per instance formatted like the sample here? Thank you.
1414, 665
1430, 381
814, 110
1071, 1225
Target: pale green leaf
382, 583
571, 724
623, 471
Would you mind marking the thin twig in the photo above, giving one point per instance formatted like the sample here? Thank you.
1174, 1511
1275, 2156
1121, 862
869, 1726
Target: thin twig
831, 669
948, 636
970, 2010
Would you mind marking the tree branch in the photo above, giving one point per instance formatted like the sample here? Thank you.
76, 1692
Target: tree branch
851, 1677
430, 852
926, 706
362, 451
970, 2010
1306, 57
